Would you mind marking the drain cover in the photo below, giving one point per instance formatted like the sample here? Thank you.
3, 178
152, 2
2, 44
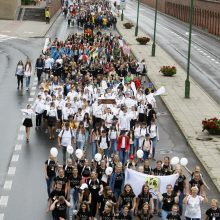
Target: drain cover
161, 113
204, 138
166, 151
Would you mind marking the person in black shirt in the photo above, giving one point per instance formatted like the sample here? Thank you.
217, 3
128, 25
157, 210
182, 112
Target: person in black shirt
196, 181
147, 168
214, 212
50, 172
180, 186
62, 179
59, 208
167, 167
74, 185
145, 213
83, 213
158, 171
107, 214
94, 188
68, 169
55, 195
144, 198
168, 199
124, 215
86, 171
106, 197
174, 214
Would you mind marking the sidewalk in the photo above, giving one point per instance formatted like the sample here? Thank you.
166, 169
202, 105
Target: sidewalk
188, 113
26, 29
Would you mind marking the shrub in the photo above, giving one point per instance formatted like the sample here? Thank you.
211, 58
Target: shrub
143, 40
168, 70
128, 25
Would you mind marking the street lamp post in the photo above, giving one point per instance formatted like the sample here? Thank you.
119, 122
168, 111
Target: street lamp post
136, 28
155, 27
122, 15
187, 82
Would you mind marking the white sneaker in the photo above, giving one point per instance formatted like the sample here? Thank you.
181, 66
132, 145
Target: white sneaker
46, 131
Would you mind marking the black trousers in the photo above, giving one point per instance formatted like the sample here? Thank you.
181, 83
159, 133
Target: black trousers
38, 119
39, 73
20, 80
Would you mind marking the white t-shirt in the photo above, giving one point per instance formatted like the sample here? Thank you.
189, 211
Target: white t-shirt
66, 137
193, 209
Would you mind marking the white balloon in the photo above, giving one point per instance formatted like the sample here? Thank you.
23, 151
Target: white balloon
140, 154
79, 153
175, 160
54, 151
108, 171
98, 157
69, 149
184, 161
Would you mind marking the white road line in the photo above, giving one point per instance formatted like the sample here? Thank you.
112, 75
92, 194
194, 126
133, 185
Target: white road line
20, 137
212, 59
22, 128
33, 88
15, 158
216, 62
4, 201
208, 56
1, 216
35, 78
35, 83
18, 147
32, 93
205, 54
8, 185
30, 99
11, 170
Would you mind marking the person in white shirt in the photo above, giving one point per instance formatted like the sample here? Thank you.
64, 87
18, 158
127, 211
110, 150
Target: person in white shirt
143, 132
67, 111
137, 135
152, 130
124, 120
104, 143
142, 111
52, 119
108, 117
113, 134
39, 109
65, 138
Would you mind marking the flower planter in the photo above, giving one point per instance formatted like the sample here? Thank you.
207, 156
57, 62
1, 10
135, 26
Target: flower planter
168, 71
143, 40
214, 131
128, 25
212, 125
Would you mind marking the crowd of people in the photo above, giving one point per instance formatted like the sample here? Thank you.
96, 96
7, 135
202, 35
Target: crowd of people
94, 96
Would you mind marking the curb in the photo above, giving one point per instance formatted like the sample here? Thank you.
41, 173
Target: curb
188, 141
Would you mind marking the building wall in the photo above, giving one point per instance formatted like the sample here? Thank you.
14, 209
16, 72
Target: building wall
8, 8
54, 6
206, 14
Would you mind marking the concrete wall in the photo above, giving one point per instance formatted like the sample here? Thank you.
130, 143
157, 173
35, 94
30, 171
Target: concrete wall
8, 8
54, 6
206, 14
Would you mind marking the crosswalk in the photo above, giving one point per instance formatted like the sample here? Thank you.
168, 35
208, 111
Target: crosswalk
6, 37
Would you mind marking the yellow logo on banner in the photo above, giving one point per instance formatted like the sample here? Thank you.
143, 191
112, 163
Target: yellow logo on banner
153, 183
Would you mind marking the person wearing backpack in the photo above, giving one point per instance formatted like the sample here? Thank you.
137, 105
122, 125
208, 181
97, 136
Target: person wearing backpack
147, 147
65, 138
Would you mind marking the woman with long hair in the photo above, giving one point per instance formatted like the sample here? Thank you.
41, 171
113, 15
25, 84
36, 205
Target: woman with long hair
83, 212
19, 72
127, 198
84, 195
52, 118
144, 198
87, 124
94, 138
27, 73
107, 214
81, 136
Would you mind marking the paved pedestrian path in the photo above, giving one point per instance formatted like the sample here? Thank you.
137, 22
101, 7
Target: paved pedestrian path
188, 113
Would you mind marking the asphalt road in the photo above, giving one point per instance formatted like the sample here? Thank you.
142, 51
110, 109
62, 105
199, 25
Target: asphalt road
27, 198
172, 35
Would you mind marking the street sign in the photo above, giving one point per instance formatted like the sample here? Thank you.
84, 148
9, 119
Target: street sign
122, 4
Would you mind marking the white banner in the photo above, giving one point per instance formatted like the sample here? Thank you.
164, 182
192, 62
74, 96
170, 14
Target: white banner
155, 183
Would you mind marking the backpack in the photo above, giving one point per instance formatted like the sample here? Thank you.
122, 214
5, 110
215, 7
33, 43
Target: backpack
71, 131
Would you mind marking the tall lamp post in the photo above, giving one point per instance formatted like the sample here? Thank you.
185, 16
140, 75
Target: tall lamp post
187, 82
122, 15
155, 27
136, 28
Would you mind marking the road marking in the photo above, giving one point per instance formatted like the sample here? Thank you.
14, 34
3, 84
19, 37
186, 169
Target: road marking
15, 158
11, 170
18, 147
34, 83
8, 185
32, 93
1, 216
35, 78
205, 54
30, 99
212, 59
22, 128
20, 137
28, 32
4, 201
34, 88
208, 56
216, 62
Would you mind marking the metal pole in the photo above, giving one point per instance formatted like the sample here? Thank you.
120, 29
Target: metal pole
122, 15
155, 27
136, 28
187, 82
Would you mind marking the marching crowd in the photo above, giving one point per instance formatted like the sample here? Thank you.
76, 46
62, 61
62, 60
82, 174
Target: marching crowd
94, 97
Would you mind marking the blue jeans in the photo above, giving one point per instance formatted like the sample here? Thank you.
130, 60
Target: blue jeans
80, 145
187, 218
132, 150
73, 200
94, 149
64, 154
28, 80
180, 203
146, 154
113, 146
49, 183
164, 214
154, 143
117, 193
105, 152
123, 156
136, 144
